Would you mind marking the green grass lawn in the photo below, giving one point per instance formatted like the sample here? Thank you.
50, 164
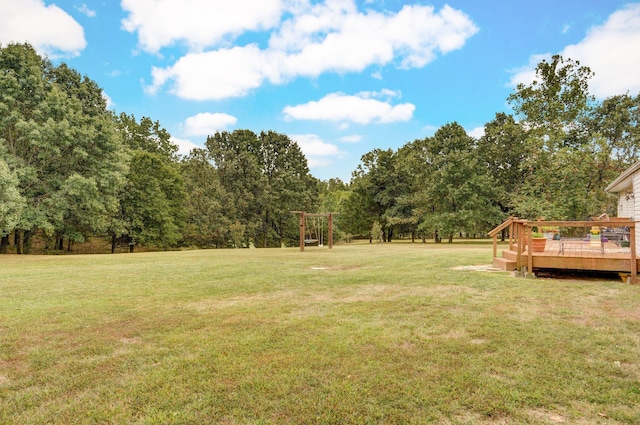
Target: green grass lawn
381, 334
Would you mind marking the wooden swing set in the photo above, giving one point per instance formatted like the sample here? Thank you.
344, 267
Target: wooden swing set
311, 232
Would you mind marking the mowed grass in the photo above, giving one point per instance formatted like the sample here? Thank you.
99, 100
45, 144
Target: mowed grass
387, 334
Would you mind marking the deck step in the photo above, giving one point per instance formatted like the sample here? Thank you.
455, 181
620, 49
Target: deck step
510, 255
504, 264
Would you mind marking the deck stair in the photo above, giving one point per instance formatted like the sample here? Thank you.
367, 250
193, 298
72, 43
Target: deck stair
507, 261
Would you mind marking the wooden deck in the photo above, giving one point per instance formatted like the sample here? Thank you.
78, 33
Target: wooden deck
578, 257
567, 254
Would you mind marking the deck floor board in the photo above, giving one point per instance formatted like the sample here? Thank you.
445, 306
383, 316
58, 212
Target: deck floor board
611, 250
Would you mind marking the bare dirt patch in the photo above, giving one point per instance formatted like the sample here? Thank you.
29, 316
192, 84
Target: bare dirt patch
305, 299
547, 417
478, 268
335, 268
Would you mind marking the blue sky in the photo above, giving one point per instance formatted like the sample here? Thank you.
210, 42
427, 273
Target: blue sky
341, 77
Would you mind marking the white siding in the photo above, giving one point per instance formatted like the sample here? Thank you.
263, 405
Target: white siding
636, 209
626, 205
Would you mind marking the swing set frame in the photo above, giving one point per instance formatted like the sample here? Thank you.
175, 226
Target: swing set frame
302, 216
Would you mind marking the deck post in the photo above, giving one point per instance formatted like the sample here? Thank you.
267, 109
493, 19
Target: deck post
520, 245
495, 246
632, 245
511, 229
529, 234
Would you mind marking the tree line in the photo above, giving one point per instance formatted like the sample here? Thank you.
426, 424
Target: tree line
552, 159
70, 169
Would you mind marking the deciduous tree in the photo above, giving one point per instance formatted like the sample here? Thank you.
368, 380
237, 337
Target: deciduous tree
206, 204
56, 132
152, 200
458, 194
266, 177
11, 204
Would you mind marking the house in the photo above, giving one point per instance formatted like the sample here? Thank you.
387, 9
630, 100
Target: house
627, 187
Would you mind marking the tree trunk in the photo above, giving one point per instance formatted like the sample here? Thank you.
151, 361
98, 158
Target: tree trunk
26, 241
60, 244
113, 243
451, 238
504, 234
264, 229
281, 234
17, 241
4, 244
131, 248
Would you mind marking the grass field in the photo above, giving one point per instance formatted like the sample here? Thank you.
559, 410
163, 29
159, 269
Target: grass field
387, 334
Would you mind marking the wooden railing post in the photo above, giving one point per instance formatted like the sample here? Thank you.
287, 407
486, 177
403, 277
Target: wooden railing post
508, 223
520, 244
529, 234
511, 230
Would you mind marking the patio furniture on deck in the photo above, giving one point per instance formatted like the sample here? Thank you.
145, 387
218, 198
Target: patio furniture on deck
616, 235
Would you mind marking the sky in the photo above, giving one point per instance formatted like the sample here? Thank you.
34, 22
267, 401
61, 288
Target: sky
340, 77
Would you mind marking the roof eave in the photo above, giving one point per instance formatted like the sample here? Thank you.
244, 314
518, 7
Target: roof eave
623, 181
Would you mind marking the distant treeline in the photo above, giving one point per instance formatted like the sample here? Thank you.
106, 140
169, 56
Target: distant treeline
70, 169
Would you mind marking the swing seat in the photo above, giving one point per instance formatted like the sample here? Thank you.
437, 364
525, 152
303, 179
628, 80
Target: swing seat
311, 241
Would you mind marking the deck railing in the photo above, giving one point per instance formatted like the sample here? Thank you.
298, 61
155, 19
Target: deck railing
521, 236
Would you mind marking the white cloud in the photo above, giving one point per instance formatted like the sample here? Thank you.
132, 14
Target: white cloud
318, 152
206, 123
610, 50
527, 73
48, 28
199, 24
351, 139
332, 36
214, 75
382, 94
477, 132
107, 98
339, 107
84, 9
184, 146
430, 130
336, 37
